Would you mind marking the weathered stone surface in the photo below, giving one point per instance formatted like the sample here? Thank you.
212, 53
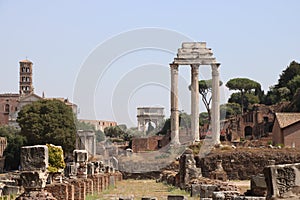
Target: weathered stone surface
258, 185
126, 198
283, 181
224, 195
219, 173
242, 164
90, 169
188, 169
36, 195
149, 198
176, 197
80, 156
34, 158
114, 162
10, 189
34, 180
248, 198
206, 191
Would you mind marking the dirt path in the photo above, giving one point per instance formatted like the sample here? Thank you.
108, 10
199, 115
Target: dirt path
141, 188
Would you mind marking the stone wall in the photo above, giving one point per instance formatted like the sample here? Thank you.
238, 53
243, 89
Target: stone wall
241, 164
145, 144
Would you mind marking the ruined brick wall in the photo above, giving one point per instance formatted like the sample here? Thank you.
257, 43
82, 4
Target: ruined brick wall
292, 136
60, 191
139, 144
153, 142
145, 144
277, 134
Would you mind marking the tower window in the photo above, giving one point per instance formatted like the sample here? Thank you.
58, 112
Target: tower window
7, 108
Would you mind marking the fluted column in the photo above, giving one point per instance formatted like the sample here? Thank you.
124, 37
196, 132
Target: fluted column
195, 101
174, 105
215, 108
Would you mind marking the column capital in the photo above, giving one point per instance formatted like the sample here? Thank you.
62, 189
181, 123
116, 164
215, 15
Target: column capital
215, 69
174, 66
195, 66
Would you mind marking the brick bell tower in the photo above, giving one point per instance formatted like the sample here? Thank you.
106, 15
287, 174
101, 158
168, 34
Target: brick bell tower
25, 77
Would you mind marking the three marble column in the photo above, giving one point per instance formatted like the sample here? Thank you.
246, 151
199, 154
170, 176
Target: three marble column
215, 118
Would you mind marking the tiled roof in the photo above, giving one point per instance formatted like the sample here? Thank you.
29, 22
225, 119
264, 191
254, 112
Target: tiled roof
286, 119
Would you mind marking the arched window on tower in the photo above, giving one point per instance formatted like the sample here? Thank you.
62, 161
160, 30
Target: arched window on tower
7, 108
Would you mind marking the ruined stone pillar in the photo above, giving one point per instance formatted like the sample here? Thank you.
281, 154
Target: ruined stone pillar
215, 108
195, 101
174, 105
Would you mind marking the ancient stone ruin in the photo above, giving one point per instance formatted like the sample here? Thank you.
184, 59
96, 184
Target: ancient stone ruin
81, 177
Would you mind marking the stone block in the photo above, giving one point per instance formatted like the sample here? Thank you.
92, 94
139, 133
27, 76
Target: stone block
149, 198
80, 156
248, 198
206, 191
112, 181
195, 190
34, 158
283, 181
176, 197
224, 195
90, 169
34, 180
258, 185
189, 45
126, 198
9, 189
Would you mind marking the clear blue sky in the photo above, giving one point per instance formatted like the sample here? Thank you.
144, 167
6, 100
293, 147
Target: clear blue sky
254, 39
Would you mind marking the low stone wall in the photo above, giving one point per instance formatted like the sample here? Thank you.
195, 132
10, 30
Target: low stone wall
241, 164
77, 189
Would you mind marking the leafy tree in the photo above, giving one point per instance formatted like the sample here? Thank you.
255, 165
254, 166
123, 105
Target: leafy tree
114, 132
205, 89
48, 122
249, 98
288, 74
287, 85
81, 125
230, 109
185, 120
99, 136
243, 85
293, 84
284, 93
14, 143
166, 127
203, 118
56, 158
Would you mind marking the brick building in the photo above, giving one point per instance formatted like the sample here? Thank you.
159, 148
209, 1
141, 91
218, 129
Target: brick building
251, 125
286, 130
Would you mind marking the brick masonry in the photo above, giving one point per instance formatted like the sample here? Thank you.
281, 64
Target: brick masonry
77, 189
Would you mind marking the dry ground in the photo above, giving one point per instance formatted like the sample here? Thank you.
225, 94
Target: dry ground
139, 189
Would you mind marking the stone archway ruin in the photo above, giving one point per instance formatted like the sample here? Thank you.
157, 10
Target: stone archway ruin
195, 54
146, 115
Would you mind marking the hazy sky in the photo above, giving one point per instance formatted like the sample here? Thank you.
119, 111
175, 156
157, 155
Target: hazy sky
254, 39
